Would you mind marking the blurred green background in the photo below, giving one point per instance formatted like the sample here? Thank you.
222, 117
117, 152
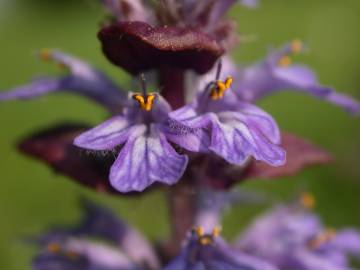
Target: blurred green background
32, 197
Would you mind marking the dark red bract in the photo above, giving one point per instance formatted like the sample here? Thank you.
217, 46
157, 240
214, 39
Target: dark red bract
137, 47
55, 147
300, 154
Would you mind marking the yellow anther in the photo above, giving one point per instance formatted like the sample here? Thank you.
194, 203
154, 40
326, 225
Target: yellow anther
217, 92
146, 103
296, 46
199, 231
322, 238
46, 54
216, 231
307, 200
53, 247
284, 61
206, 240
220, 86
228, 82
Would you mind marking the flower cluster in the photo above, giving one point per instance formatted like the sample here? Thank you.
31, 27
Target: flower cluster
200, 124
286, 237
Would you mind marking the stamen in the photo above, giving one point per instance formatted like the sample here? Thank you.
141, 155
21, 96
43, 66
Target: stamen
284, 61
53, 247
146, 102
322, 238
47, 55
199, 231
143, 84
296, 46
216, 231
217, 92
206, 239
307, 200
218, 70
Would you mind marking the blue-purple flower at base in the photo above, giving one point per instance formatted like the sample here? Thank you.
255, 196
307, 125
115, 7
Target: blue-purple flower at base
78, 247
287, 237
208, 251
78, 254
291, 237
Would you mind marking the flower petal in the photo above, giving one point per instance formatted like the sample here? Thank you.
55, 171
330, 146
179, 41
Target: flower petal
236, 136
142, 47
305, 260
108, 134
82, 255
144, 160
129, 10
262, 79
348, 240
218, 10
300, 154
217, 255
192, 139
38, 87
47, 261
101, 222
249, 3
260, 120
83, 80
236, 141
303, 79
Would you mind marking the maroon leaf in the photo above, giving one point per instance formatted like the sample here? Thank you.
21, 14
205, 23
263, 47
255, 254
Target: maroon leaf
300, 154
54, 146
137, 47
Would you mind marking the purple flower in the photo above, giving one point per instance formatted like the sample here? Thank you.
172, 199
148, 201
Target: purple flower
250, 3
212, 205
207, 250
231, 128
291, 237
79, 254
81, 79
129, 10
276, 73
146, 155
122, 247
